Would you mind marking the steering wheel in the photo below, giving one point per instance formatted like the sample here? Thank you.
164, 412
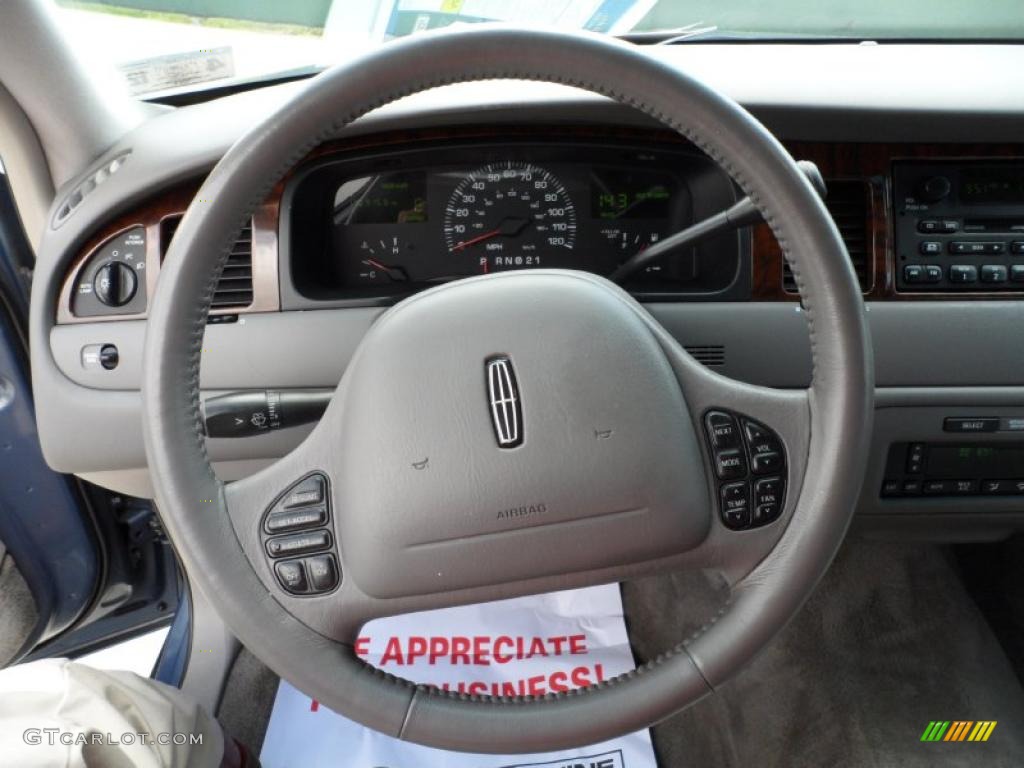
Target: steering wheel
542, 430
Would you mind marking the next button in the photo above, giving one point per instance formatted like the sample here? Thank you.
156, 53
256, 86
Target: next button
971, 425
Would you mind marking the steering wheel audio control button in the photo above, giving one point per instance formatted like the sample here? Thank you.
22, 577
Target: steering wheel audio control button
730, 464
763, 463
722, 430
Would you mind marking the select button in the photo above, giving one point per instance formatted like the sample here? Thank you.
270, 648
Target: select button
971, 425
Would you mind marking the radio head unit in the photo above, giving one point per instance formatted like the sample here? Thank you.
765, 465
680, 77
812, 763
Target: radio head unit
959, 226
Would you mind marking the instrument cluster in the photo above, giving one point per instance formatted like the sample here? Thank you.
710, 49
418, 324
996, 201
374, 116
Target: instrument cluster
387, 226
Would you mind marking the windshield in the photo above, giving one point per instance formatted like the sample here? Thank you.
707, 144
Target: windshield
162, 45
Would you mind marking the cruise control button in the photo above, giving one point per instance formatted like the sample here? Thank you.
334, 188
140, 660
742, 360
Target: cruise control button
298, 543
722, 430
730, 464
292, 576
323, 573
296, 519
307, 493
735, 499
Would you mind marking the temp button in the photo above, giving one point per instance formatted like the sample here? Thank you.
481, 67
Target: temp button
971, 425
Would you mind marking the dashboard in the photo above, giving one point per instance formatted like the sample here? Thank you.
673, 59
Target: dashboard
927, 199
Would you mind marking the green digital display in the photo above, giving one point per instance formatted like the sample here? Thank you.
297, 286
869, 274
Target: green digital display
965, 460
617, 195
391, 198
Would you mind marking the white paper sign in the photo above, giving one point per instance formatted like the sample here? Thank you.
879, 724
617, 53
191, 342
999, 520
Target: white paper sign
532, 645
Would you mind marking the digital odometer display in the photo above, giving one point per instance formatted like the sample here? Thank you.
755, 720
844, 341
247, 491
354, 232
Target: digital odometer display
617, 194
992, 186
389, 198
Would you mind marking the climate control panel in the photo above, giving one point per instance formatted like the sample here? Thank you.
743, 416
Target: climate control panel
959, 226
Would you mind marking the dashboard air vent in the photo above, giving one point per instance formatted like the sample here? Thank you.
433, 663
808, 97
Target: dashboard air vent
712, 355
848, 202
234, 289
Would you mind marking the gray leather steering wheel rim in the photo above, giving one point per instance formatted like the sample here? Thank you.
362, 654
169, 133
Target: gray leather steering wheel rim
193, 503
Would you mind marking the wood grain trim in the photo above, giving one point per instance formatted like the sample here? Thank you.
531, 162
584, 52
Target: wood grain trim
871, 162
151, 215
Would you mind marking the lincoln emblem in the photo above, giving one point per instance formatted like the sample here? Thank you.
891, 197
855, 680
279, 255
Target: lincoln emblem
506, 408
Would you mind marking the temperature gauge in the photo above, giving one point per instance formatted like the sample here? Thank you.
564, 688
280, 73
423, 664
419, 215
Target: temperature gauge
377, 261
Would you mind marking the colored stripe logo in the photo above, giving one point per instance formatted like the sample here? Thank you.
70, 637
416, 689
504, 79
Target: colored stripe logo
959, 730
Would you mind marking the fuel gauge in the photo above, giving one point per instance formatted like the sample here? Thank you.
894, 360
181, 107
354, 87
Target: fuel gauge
628, 242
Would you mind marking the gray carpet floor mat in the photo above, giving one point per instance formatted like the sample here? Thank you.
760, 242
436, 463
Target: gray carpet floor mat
888, 642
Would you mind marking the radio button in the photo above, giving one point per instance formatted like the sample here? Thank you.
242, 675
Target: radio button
993, 273
929, 226
968, 247
1017, 273
930, 248
963, 273
913, 273
948, 226
1017, 246
932, 273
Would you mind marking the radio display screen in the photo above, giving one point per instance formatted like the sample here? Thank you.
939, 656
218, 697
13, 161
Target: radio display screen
992, 186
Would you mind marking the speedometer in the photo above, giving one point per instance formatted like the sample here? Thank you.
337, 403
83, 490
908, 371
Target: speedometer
510, 216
